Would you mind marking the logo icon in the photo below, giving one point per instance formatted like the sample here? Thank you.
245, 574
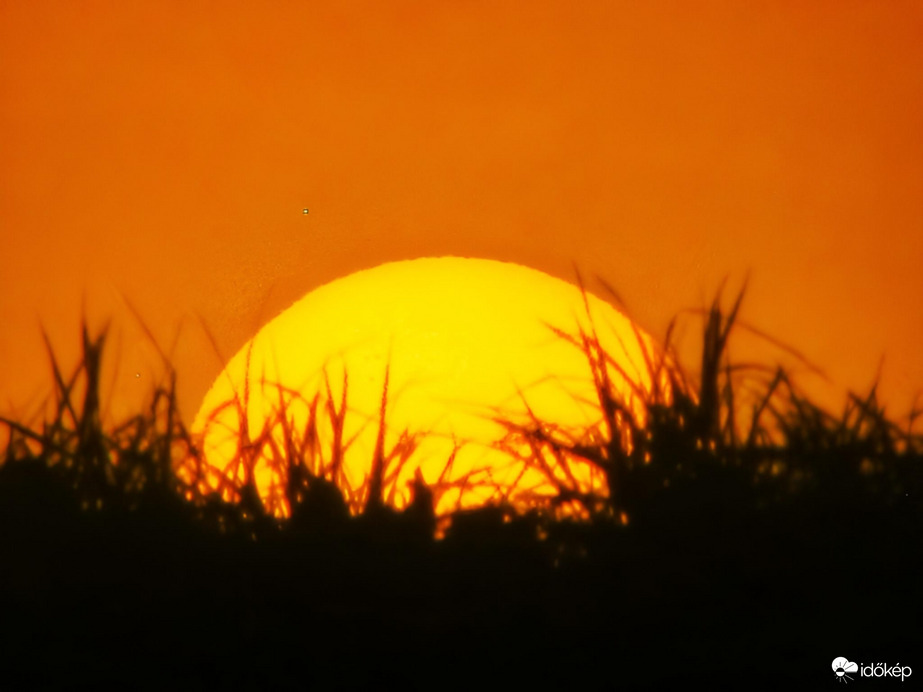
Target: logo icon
841, 667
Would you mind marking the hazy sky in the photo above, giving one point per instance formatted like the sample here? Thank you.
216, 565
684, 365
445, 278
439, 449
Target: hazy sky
162, 153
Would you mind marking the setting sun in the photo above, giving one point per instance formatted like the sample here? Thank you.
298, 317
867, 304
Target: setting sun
447, 352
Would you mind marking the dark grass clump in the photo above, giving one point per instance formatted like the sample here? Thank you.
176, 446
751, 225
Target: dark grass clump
742, 524
742, 435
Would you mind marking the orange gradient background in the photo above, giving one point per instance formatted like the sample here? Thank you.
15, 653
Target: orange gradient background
162, 152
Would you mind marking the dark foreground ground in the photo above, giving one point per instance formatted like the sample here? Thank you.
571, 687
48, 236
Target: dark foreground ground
702, 587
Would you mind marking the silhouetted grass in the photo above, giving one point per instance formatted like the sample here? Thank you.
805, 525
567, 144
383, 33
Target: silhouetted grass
739, 518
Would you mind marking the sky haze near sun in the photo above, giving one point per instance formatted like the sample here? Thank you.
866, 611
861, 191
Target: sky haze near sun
162, 153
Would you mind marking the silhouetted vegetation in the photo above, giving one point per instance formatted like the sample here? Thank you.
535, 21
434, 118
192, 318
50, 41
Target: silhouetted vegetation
746, 531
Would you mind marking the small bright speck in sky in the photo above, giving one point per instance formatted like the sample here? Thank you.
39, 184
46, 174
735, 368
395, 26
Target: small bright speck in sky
304, 211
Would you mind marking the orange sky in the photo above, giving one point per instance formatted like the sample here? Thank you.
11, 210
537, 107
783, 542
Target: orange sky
163, 151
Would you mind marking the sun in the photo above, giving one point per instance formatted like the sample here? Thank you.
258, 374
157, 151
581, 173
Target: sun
421, 369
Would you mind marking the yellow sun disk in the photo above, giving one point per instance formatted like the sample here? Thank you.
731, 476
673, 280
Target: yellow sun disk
464, 343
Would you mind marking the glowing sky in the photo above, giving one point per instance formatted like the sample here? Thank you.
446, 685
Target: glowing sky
164, 151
